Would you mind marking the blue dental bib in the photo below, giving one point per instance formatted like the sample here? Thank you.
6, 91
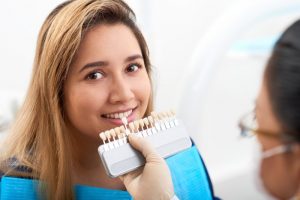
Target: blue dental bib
190, 178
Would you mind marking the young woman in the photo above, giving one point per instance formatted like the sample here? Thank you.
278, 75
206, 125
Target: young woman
91, 68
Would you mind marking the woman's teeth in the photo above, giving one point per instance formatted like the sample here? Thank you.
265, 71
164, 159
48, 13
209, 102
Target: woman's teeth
118, 115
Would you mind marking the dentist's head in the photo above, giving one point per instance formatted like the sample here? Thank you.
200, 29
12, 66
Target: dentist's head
276, 118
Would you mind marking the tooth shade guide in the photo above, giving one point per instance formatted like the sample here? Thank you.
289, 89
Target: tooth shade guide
102, 136
121, 160
118, 132
167, 115
137, 125
123, 132
124, 120
162, 121
122, 129
131, 126
107, 134
172, 114
151, 122
162, 115
150, 119
156, 121
153, 113
146, 122
119, 135
166, 119
141, 123
113, 134
154, 116
171, 118
147, 126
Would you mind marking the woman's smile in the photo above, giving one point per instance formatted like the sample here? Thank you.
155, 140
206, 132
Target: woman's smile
115, 117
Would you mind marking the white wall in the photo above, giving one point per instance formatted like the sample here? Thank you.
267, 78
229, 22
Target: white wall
20, 22
173, 29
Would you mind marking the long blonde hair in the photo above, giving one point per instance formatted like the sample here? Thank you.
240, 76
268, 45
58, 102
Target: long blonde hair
37, 140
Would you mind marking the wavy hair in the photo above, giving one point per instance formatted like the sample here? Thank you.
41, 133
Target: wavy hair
37, 140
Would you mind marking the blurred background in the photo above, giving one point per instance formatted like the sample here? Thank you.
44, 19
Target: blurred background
208, 58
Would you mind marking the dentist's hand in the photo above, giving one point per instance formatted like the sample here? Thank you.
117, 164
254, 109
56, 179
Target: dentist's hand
153, 181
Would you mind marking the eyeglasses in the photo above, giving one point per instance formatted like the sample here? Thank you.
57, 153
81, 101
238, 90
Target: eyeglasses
249, 127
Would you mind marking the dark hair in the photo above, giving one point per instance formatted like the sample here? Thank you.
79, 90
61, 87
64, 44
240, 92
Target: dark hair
282, 77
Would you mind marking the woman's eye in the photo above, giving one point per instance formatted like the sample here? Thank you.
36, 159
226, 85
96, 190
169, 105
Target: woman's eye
133, 68
94, 76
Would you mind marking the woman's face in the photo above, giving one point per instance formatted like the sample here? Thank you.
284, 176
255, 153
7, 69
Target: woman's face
279, 173
106, 81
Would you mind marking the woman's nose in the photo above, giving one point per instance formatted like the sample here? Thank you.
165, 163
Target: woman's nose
121, 90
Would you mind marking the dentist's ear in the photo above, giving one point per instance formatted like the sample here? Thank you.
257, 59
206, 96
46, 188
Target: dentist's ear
152, 181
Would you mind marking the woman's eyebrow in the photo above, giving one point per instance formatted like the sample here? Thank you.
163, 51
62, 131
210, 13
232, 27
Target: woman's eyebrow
94, 64
105, 63
133, 57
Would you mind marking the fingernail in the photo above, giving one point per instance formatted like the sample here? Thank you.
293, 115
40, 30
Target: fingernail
133, 136
130, 136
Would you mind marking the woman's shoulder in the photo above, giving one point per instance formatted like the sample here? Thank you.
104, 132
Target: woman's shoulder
12, 167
